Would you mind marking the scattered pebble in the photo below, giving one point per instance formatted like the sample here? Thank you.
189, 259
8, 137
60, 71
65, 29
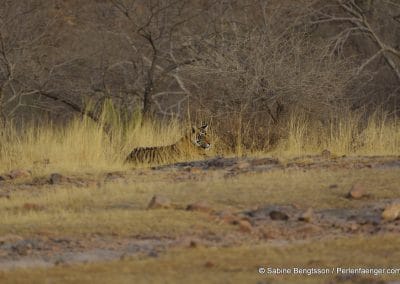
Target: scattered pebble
357, 191
326, 153
278, 215
245, 226
209, 264
307, 216
57, 178
19, 173
201, 206
391, 212
32, 206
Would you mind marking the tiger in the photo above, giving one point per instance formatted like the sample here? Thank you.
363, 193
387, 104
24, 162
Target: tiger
194, 142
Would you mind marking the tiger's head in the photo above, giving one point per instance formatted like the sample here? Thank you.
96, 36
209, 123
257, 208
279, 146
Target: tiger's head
199, 137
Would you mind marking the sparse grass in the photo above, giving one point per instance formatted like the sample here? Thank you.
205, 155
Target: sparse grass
231, 265
121, 208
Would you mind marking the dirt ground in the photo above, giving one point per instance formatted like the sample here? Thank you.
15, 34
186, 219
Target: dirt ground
221, 220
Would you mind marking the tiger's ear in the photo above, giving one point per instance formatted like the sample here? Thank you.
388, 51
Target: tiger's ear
204, 126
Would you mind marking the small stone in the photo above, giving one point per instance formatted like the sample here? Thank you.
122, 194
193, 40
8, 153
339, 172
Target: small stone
193, 170
4, 177
152, 253
326, 153
20, 173
357, 191
333, 186
241, 165
307, 216
56, 178
278, 215
201, 206
264, 161
209, 264
391, 212
59, 261
4, 195
245, 226
159, 202
354, 227
10, 238
228, 217
111, 176
22, 248
32, 207
124, 256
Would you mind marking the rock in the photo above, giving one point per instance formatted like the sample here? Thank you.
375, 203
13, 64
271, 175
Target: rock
152, 253
23, 247
357, 191
245, 226
241, 165
19, 173
10, 238
56, 178
307, 216
193, 170
278, 215
333, 186
4, 195
159, 202
220, 162
125, 256
201, 206
4, 177
111, 176
209, 264
228, 217
32, 206
391, 212
264, 161
60, 261
326, 153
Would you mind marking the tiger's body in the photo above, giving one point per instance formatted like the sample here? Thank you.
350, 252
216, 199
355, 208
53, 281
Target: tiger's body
191, 144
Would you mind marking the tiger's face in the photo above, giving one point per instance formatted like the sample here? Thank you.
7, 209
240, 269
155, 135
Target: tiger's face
200, 138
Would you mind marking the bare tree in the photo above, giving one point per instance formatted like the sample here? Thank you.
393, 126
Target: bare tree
357, 17
159, 36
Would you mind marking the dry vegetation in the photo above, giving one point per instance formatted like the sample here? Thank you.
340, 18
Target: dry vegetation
82, 145
302, 101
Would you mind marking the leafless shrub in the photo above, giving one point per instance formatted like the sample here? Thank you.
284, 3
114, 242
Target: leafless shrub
250, 80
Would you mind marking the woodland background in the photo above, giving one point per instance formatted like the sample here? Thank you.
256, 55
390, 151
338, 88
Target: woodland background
247, 67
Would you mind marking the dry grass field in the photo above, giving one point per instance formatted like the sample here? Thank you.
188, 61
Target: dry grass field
186, 141
72, 211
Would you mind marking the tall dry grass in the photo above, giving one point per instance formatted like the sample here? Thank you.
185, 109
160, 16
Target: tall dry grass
345, 134
82, 145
